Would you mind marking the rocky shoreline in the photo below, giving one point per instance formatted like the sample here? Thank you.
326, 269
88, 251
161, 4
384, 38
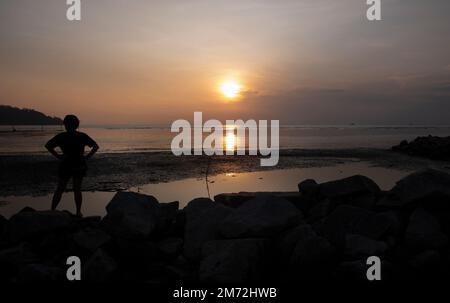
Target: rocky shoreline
322, 232
431, 147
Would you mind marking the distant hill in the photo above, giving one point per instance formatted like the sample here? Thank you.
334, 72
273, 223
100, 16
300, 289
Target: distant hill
23, 116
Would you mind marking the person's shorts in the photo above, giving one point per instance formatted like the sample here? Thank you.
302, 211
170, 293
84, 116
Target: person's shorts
67, 171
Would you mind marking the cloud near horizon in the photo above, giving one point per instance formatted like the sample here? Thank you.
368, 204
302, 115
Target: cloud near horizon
301, 62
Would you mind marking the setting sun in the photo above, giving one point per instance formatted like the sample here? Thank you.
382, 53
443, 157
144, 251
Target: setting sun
230, 89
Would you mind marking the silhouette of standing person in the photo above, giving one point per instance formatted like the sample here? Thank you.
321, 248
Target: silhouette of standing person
72, 160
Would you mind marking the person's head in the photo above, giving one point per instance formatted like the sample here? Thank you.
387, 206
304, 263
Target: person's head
71, 122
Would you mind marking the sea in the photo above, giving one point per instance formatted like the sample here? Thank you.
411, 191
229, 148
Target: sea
146, 138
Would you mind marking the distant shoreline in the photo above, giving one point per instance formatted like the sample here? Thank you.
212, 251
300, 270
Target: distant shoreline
168, 126
12, 116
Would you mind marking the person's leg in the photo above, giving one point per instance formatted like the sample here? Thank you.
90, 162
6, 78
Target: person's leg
62, 183
77, 180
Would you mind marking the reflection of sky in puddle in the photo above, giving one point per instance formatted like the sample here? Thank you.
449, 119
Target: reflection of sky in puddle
185, 190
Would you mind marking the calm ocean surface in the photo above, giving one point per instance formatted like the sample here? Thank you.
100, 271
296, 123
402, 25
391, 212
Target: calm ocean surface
31, 139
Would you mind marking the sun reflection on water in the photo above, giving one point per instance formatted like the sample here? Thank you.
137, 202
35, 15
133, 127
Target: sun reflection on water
230, 142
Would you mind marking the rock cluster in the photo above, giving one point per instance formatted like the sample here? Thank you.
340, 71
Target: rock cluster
323, 231
432, 147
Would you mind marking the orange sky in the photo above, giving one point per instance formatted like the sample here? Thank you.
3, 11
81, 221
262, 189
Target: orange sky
300, 62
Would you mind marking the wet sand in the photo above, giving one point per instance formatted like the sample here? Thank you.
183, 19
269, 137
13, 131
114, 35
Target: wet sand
36, 174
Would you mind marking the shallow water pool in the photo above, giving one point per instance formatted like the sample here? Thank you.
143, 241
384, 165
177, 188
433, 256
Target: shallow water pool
187, 189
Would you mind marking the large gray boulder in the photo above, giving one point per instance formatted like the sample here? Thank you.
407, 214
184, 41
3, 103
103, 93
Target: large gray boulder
358, 247
235, 200
203, 218
39, 273
233, 261
170, 248
29, 224
318, 211
308, 187
308, 255
389, 223
132, 215
430, 186
424, 232
354, 185
3, 222
136, 257
263, 216
12, 259
428, 260
352, 271
343, 220
287, 241
99, 268
356, 190
356, 270
347, 219
21, 253
91, 239
308, 190
167, 215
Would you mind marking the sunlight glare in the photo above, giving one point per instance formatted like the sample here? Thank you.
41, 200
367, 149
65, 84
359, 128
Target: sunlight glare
230, 141
230, 89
